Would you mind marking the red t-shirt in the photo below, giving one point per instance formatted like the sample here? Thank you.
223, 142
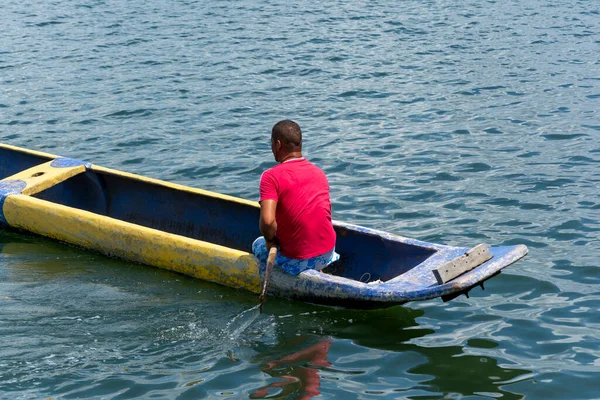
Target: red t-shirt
303, 212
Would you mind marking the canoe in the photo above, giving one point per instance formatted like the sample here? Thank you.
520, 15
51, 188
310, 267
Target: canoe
208, 236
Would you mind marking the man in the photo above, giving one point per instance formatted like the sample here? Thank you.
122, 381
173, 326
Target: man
295, 208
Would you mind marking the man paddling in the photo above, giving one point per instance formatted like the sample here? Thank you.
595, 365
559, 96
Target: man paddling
295, 207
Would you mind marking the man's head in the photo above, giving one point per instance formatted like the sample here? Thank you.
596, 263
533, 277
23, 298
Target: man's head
286, 138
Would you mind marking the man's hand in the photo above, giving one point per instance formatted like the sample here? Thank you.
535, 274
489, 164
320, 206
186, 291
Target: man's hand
271, 243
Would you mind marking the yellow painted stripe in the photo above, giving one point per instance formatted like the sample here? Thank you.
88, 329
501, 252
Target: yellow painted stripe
113, 237
145, 179
22, 150
44, 176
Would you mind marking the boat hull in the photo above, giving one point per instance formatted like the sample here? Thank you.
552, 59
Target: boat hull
208, 236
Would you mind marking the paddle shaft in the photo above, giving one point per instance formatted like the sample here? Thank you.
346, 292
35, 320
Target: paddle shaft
268, 269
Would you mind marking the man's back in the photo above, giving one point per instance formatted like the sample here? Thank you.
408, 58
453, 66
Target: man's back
303, 215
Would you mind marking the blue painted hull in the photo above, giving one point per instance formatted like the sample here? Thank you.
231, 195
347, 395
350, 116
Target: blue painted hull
212, 233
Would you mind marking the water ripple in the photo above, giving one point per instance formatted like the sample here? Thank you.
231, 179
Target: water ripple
449, 122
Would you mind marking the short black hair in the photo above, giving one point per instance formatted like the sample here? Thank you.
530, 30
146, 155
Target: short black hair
289, 133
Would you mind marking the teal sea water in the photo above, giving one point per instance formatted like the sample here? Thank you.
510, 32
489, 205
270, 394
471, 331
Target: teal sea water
446, 121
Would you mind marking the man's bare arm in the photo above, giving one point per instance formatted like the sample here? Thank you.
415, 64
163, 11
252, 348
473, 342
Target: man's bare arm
267, 223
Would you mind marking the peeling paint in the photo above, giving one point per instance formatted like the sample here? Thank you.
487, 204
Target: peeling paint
8, 187
63, 162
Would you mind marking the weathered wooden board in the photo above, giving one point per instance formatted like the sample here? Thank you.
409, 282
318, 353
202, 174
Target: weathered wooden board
471, 259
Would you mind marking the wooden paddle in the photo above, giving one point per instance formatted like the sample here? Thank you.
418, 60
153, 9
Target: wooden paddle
268, 269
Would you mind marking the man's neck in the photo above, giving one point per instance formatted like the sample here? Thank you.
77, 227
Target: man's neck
291, 156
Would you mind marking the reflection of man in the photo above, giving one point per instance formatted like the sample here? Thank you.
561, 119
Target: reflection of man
295, 208
298, 378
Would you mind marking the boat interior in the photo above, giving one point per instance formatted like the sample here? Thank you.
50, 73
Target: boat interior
208, 218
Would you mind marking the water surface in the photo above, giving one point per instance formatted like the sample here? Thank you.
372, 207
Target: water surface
451, 122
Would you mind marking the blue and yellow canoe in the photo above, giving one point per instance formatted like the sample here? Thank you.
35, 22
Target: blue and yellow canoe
208, 236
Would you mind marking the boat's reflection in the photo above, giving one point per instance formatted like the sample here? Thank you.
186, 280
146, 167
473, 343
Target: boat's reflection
300, 358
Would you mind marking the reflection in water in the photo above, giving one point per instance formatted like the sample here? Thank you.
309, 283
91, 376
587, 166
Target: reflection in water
444, 370
450, 372
298, 371
302, 350
387, 329
26, 257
